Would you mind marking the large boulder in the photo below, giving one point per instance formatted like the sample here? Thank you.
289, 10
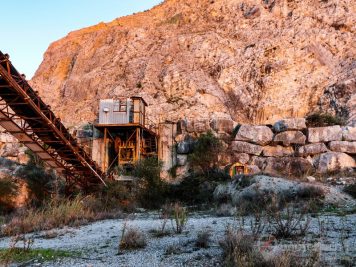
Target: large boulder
244, 147
290, 137
261, 135
289, 124
343, 146
312, 149
333, 161
201, 126
288, 166
222, 125
277, 151
349, 133
325, 134
242, 158
260, 162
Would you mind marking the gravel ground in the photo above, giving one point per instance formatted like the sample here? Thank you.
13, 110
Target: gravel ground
98, 242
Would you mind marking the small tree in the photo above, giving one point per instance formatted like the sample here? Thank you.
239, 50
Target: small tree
152, 189
8, 190
205, 155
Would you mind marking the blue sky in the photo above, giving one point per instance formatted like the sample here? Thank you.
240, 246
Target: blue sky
29, 26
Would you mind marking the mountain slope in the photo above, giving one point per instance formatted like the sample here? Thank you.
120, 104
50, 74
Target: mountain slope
253, 61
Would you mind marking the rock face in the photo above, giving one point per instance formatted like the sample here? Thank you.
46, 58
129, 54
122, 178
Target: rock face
290, 124
290, 137
325, 134
349, 133
244, 147
312, 149
277, 151
343, 146
288, 166
192, 59
333, 161
261, 135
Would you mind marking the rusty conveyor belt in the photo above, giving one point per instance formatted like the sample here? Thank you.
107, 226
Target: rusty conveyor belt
24, 115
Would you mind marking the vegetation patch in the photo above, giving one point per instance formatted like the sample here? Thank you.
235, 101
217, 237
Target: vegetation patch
132, 238
323, 119
351, 190
54, 215
19, 255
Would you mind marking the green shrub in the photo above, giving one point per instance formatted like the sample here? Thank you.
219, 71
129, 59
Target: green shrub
351, 190
41, 183
205, 154
115, 196
8, 190
323, 119
152, 190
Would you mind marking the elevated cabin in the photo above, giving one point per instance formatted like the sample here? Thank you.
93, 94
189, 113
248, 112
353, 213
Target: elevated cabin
122, 137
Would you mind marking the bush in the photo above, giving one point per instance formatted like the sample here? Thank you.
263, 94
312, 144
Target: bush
152, 190
205, 154
132, 238
114, 196
197, 188
41, 183
203, 239
351, 190
238, 250
323, 119
289, 222
8, 190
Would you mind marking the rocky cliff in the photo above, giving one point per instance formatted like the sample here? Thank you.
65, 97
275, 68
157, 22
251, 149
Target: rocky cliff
253, 61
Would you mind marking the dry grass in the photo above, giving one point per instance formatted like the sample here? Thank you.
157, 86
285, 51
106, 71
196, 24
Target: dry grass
132, 238
54, 215
179, 218
288, 222
239, 250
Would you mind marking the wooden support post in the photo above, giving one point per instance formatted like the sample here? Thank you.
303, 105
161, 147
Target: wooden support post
105, 149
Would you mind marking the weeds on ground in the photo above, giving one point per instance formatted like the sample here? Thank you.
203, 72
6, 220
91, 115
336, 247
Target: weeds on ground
132, 238
288, 222
179, 218
239, 249
54, 215
164, 216
8, 256
203, 239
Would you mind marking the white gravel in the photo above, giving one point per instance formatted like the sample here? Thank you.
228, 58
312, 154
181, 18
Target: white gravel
98, 242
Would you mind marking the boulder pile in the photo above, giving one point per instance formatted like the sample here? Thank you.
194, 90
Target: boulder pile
289, 148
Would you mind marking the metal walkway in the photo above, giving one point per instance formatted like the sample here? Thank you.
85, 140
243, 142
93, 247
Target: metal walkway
24, 115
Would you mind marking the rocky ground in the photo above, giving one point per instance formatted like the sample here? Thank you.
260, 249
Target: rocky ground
334, 236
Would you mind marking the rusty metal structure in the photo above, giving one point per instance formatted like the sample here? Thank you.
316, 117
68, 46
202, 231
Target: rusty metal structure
24, 115
126, 136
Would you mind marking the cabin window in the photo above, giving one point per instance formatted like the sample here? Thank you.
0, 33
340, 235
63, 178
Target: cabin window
116, 107
123, 106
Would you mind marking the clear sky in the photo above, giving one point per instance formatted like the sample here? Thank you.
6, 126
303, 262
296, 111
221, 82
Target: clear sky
29, 26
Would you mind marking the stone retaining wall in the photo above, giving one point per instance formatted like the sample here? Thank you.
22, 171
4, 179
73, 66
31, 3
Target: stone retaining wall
287, 148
